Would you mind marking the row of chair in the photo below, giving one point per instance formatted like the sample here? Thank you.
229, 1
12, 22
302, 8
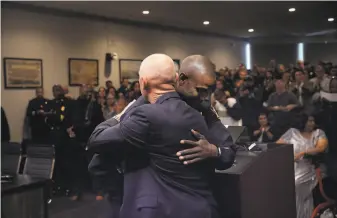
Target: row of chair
36, 160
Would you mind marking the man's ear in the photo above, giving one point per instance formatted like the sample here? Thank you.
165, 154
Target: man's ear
182, 79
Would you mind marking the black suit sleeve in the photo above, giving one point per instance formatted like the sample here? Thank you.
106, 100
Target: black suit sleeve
130, 132
235, 112
219, 135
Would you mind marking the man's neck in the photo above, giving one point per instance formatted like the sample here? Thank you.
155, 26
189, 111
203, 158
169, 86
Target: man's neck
280, 91
155, 94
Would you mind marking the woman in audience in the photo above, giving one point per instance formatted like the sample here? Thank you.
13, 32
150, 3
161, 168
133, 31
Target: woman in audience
109, 109
101, 97
264, 133
307, 141
134, 92
111, 91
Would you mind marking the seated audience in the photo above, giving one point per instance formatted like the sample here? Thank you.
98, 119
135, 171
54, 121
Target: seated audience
264, 133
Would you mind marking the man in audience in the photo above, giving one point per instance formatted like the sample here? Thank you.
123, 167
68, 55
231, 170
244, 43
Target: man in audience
250, 102
166, 176
281, 105
124, 88
321, 81
303, 90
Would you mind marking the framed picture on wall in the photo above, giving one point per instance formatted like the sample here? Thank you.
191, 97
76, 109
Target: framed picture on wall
128, 68
83, 71
23, 73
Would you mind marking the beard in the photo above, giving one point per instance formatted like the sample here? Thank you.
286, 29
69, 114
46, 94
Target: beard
197, 103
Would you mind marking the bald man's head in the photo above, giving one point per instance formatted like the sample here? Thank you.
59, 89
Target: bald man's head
157, 72
196, 72
196, 65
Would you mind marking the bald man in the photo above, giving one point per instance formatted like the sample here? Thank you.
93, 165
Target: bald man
195, 86
167, 187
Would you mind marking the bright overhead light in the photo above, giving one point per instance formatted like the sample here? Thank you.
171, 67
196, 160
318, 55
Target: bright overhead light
331, 19
206, 22
146, 12
251, 30
292, 9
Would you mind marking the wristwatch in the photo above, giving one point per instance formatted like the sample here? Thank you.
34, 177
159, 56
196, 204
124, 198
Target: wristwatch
219, 152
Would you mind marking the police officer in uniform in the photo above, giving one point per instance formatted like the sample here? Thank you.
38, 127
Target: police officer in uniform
60, 123
36, 113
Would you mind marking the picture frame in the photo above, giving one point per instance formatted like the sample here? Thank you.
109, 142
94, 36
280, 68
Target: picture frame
22, 73
83, 71
129, 68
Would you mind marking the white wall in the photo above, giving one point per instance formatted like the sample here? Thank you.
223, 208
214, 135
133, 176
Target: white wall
55, 39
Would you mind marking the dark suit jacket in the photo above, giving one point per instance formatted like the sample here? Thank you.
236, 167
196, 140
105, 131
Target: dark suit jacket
166, 188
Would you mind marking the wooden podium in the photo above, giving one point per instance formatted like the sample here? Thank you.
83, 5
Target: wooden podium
259, 185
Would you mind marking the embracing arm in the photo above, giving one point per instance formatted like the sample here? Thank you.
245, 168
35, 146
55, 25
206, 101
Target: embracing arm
218, 145
130, 132
224, 142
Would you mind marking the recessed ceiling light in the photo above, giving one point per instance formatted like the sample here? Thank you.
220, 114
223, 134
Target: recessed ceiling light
251, 30
206, 22
146, 12
292, 9
331, 19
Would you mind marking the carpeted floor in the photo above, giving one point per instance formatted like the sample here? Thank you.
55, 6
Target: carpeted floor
87, 207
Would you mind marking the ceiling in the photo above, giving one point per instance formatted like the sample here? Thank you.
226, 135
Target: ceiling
270, 20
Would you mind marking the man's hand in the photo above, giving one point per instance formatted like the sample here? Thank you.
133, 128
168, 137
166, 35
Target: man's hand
202, 149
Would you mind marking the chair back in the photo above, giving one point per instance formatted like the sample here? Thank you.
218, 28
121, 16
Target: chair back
40, 161
10, 157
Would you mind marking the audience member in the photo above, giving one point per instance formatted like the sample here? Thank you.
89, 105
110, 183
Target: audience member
227, 108
109, 109
307, 141
264, 133
124, 88
281, 105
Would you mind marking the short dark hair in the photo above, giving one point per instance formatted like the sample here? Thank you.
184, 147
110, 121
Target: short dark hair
218, 94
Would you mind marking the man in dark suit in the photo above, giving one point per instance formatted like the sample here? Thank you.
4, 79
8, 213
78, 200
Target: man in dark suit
167, 187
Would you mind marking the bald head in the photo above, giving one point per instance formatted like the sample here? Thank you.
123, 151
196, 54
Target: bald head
157, 70
197, 65
196, 72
